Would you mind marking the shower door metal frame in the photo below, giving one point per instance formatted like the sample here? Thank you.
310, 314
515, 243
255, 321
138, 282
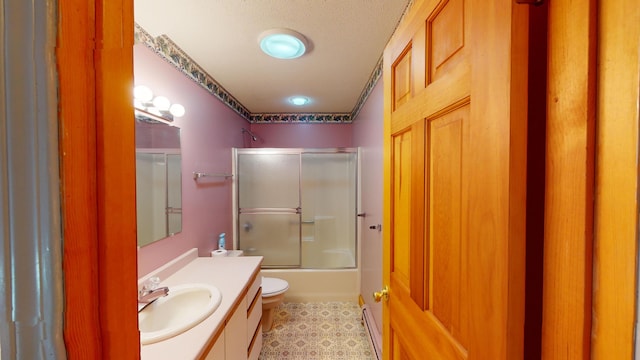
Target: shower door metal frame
298, 210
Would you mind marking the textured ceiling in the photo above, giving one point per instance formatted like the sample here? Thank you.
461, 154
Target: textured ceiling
347, 39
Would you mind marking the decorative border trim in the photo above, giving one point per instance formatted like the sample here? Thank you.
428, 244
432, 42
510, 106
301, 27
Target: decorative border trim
310, 118
373, 80
164, 47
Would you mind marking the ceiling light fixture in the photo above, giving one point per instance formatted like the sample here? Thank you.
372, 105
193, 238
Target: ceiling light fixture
299, 100
283, 43
160, 106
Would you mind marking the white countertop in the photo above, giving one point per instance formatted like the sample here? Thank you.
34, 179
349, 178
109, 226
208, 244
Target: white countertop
231, 276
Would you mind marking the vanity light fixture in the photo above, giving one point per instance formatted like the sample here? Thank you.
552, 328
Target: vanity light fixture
283, 43
299, 100
159, 106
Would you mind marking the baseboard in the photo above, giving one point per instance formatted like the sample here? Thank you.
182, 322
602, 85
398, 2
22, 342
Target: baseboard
374, 336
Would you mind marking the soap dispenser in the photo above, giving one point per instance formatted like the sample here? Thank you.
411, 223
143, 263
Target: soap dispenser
221, 241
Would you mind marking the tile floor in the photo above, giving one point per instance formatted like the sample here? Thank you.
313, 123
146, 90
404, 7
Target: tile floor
315, 331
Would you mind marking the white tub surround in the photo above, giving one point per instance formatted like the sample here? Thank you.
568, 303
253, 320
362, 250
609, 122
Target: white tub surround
233, 276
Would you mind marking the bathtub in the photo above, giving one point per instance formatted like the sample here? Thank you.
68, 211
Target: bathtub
310, 285
329, 275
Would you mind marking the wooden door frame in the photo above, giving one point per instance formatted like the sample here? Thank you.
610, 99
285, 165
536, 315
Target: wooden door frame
95, 72
615, 246
569, 186
97, 172
592, 180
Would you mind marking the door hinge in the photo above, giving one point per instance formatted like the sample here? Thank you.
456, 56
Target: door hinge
531, 2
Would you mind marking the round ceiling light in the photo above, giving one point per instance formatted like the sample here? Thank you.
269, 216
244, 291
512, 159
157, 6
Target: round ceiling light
299, 100
283, 43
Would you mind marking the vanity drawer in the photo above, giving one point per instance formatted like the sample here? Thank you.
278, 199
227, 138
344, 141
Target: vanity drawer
256, 345
254, 314
253, 290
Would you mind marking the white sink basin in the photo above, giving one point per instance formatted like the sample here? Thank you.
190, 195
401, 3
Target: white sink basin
185, 307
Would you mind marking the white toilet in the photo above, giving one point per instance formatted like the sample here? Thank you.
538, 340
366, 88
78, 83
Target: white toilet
273, 290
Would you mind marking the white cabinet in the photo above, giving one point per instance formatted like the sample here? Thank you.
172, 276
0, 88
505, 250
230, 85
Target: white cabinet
236, 334
241, 338
217, 351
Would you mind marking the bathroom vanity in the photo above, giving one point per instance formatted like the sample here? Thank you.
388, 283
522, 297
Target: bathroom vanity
233, 331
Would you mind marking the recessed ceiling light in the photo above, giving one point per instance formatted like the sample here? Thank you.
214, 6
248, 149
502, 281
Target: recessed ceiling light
299, 100
283, 43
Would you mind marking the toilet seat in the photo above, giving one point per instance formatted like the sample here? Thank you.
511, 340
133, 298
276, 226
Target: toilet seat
273, 286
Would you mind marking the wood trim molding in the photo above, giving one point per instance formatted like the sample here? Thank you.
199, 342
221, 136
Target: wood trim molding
616, 201
95, 69
116, 176
77, 160
566, 314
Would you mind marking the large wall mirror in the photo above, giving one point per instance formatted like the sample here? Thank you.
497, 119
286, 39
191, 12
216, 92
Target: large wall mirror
158, 179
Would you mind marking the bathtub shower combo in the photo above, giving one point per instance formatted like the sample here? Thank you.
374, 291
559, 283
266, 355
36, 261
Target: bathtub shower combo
298, 209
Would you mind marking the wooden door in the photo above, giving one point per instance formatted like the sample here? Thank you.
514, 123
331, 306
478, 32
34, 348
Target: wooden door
455, 165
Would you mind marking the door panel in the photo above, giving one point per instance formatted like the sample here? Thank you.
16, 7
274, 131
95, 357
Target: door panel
402, 206
445, 34
447, 261
452, 184
402, 79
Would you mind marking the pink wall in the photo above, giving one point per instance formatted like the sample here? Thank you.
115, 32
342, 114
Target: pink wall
302, 135
209, 130
368, 134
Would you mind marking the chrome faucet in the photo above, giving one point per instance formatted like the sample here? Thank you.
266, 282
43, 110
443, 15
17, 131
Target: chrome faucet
150, 292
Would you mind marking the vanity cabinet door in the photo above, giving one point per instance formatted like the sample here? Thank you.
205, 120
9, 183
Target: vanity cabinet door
242, 334
235, 333
217, 351
256, 344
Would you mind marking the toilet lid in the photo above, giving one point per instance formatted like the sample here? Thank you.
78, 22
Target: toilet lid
273, 286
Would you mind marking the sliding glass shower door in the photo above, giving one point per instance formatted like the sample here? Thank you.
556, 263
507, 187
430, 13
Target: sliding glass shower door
328, 190
269, 206
297, 207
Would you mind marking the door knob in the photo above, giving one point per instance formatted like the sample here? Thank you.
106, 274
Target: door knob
379, 295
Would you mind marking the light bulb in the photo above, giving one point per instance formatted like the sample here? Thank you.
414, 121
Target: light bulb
177, 110
299, 100
162, 103
142, 93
